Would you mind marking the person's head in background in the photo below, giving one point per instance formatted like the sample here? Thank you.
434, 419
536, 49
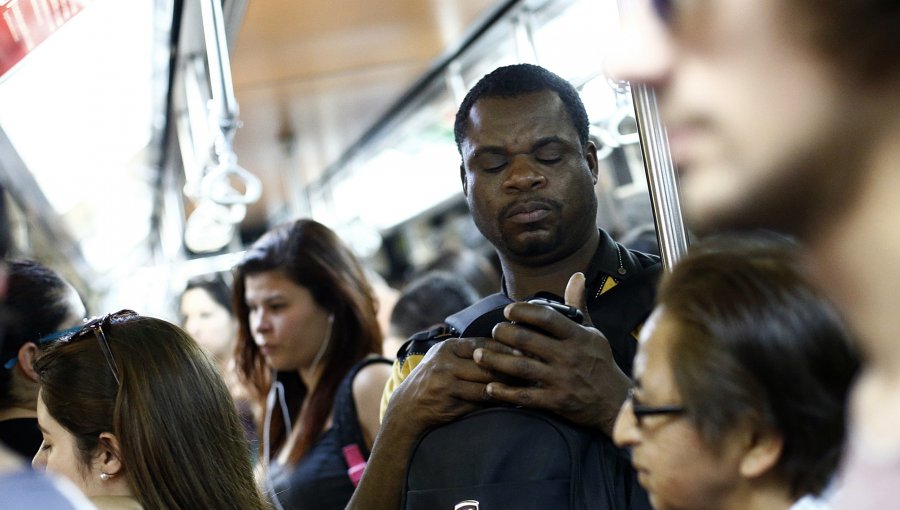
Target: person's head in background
132, 407
469, 265
206, 316
778, 113
741, 382
306, 311
426, 301
40, 304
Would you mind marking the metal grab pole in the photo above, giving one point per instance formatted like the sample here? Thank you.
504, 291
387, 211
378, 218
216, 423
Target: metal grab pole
220, 82
673, 241
216, 182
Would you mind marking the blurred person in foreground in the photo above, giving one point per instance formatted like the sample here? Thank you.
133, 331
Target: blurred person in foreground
42, 306
741, 383
136, 415
786, 115
309, 345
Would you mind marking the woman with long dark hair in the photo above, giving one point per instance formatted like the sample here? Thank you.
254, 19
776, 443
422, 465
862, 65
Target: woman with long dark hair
308, 340
135, 413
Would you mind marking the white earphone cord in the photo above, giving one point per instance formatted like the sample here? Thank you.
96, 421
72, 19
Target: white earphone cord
275, 392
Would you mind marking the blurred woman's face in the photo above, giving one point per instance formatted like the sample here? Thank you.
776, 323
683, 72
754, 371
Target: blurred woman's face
674, 464
210, 323
287, 324
59, 453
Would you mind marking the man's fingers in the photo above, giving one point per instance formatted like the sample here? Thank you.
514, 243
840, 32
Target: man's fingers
575, 296
470, 391
465, 347
522, 367
527, 396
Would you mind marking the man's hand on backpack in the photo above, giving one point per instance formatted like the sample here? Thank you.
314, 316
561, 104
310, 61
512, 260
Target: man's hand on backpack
570, 366
445, 385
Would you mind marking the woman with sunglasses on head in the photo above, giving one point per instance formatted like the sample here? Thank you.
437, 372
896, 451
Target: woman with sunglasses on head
741, 383
40, 305
135, 413
308, 340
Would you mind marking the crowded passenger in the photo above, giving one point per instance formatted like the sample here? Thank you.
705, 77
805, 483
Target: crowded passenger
424, 302
427, 300
528, 173
467, 265
308, 344
787, 115
23, 488
136, 415
741, 383
42, 305
205, 307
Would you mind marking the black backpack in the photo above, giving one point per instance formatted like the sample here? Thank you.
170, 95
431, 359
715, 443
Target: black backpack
522, 459
509, 458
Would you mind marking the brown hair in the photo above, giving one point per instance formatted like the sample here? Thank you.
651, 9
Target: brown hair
181, 443
860, 36
757, 343
312, 256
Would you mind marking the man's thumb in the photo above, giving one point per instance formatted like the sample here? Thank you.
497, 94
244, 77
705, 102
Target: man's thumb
575, 296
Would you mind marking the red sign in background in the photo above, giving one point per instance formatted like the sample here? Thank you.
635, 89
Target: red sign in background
27, 23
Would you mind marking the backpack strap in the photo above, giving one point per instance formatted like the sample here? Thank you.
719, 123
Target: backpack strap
346, 422
479, 318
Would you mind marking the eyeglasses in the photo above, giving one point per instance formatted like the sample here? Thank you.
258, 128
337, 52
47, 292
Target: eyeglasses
95, 327
641, 411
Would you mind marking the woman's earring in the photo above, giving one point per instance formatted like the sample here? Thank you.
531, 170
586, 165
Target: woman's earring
104, 476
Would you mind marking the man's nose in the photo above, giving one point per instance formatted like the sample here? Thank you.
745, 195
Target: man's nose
644, 49
522, 174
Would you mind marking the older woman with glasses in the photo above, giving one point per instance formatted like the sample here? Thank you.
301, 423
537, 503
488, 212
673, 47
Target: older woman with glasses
134, 412
741, 383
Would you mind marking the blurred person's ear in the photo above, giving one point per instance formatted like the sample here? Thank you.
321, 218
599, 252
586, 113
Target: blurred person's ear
109, 459
763, 451
27, 353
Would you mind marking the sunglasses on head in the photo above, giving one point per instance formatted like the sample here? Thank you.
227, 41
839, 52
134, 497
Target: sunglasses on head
94, 327
91, 328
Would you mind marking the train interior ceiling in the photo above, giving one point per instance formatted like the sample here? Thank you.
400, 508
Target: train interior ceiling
143, 143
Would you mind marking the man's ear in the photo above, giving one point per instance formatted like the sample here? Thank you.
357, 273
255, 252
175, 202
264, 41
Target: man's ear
27, 353
462, 178
762, 454
590, 157
109, 458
